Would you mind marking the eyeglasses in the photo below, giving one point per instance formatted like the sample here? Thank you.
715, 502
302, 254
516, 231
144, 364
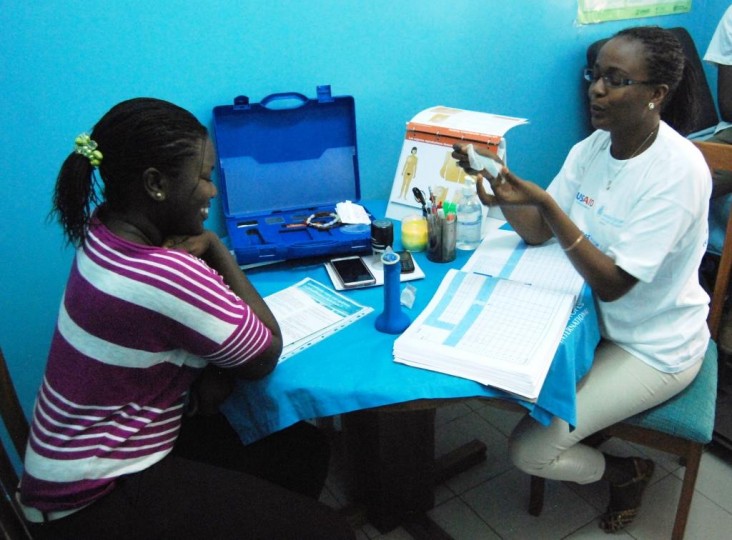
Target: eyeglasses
612, 80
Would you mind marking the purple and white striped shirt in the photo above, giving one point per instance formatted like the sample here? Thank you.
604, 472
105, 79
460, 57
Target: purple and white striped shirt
136, 326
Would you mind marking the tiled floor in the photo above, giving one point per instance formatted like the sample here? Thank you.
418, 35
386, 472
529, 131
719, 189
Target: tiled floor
489, 501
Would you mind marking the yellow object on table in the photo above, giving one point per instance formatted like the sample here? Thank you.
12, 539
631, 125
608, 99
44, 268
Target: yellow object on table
414, 233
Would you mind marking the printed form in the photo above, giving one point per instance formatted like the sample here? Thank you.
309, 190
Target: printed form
308, 312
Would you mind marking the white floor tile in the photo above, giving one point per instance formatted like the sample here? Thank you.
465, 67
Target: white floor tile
464, 429
448, 413
707, 520
502, 419
502, 503
458, 520
714, 480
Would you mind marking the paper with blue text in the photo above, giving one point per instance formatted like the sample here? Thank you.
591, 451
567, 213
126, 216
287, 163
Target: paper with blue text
308, 312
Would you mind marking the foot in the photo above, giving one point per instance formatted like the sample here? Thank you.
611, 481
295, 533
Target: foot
625, 498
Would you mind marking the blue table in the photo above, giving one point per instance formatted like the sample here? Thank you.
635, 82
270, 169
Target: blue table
388, 409
354, 369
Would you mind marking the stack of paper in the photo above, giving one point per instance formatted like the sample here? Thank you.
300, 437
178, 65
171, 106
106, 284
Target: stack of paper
308, 312
500, 320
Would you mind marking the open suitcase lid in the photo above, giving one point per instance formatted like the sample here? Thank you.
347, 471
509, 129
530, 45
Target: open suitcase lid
287, 152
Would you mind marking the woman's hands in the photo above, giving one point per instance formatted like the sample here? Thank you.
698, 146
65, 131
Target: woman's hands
508, 189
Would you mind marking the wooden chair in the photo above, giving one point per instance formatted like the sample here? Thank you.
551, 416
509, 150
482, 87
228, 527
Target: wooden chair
723, 317
684, 424
719, 157
12, 524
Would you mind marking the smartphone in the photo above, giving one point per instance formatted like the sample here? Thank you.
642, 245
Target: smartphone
352, 271
405, 258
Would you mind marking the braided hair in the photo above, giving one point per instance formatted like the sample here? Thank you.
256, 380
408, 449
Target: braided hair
132, 136
666, 64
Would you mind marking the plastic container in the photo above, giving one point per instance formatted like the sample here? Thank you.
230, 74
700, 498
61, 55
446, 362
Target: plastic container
310, 146
469, 218
414, 233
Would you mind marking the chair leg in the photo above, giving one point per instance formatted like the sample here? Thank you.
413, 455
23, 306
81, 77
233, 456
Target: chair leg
693, 458
536, 495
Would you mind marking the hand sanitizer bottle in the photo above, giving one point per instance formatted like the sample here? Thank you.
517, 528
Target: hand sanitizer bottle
469, 218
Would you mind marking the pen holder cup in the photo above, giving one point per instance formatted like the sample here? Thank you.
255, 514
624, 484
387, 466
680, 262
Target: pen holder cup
441, 238
414, 233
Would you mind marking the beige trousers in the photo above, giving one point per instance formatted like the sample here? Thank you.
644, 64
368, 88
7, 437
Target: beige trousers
618, 386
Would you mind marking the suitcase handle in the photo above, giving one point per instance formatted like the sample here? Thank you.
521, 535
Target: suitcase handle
298, 100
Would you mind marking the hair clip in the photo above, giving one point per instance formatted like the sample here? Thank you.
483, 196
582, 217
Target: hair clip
88, 148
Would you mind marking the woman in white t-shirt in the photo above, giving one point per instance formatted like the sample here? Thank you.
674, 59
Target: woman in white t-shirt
629, 207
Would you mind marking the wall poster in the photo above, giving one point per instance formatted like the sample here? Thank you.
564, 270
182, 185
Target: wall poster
595, 11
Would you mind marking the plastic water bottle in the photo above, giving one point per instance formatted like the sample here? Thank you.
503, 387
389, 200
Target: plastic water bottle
469, 218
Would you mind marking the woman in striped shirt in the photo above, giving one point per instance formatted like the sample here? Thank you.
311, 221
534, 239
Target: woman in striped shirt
155, 305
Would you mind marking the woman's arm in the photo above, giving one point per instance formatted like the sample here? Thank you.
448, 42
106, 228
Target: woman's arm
608, 281
211, 249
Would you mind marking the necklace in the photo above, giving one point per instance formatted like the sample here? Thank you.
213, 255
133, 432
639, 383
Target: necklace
635, 153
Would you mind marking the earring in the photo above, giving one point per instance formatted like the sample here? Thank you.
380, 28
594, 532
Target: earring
651, 105
158, 195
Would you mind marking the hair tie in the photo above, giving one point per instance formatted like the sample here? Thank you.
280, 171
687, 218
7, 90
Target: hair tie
85, 146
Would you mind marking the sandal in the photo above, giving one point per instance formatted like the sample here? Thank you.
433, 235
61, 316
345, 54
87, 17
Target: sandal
625, 498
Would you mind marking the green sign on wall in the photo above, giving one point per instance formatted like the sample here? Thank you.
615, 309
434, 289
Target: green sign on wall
595, 11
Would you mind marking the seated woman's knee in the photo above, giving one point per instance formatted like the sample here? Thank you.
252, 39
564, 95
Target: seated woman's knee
524, 456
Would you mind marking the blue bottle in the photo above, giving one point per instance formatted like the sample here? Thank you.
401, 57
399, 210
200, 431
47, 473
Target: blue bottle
392, 320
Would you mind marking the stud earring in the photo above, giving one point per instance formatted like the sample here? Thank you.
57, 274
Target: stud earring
158, 195
651, 105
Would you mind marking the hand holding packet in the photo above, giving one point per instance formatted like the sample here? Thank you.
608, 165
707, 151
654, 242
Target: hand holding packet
479, 163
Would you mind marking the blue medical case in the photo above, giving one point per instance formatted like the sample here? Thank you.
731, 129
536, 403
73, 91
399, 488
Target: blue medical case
282, 161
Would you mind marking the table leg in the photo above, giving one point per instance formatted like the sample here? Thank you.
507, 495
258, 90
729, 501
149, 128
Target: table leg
392, 456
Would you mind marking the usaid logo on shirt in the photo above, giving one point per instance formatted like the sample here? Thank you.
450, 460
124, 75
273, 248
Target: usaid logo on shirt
584, 200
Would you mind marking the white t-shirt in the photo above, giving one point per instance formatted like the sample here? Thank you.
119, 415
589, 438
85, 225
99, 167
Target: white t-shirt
720, 50
652, 222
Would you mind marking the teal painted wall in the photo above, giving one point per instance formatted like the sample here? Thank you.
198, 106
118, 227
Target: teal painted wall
64, 64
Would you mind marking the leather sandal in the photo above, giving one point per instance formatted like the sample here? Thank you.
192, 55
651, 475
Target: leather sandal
625, 498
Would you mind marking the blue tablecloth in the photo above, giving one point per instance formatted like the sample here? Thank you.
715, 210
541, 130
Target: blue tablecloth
354, 368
